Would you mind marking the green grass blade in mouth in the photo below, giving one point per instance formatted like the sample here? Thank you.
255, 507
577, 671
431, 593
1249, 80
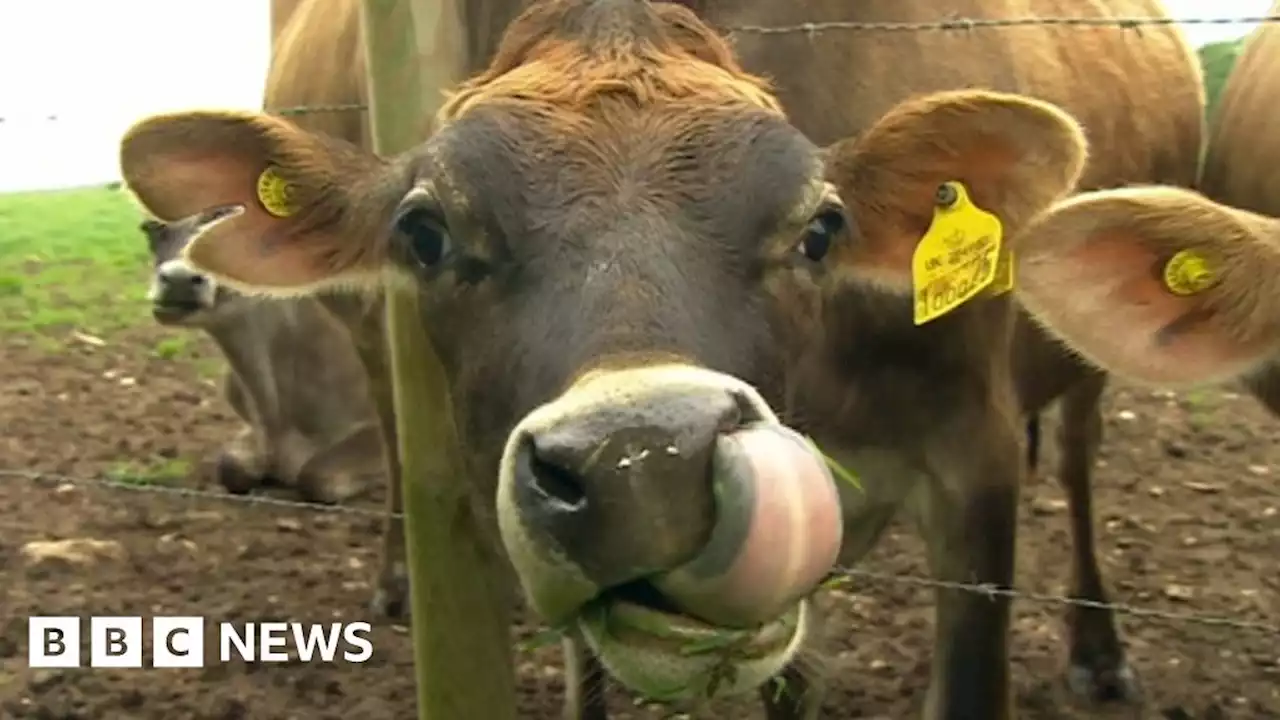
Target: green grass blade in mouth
836, 468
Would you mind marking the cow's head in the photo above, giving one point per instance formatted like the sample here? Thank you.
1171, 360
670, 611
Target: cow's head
180, 294
621, 244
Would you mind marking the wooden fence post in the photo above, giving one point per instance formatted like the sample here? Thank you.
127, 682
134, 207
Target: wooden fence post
462, 642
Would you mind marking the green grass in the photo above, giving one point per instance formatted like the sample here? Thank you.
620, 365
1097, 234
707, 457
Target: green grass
157, 471
173, 348
72, 260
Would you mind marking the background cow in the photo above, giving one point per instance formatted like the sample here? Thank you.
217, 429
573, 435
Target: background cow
1224, 325
1236, 171
292, 378
615, 228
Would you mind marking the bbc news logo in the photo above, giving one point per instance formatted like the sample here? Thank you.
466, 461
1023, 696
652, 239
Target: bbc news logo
178, 642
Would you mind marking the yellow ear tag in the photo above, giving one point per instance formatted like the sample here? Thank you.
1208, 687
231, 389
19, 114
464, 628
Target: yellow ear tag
275, 193
1188, 273
958, 256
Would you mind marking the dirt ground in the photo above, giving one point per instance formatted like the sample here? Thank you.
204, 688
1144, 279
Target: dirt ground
1188, 516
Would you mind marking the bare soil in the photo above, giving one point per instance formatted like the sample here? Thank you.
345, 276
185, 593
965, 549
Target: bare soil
1188, 501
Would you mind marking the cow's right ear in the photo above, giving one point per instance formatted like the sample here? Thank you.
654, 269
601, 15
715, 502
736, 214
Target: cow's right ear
286, 211
1158, 284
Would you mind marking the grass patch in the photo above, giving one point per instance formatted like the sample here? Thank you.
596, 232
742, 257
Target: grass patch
173, 348
71, 259
1200, 404
160, 471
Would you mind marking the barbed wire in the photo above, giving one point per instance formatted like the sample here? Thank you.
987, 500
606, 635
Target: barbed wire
959, 23
993, 592
840, 581
954, 23
175, 491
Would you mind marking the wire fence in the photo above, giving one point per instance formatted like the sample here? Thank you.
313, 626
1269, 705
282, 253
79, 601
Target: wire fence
838, 581
955, 23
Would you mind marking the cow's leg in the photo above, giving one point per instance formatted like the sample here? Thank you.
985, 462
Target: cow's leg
391, 596
340, 471
968, 516
1265, 386
1033, 442
1098, 670
242, 465
585, 683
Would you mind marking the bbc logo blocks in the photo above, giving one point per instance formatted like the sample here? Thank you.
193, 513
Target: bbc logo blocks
115, 642
177, 642
53, 642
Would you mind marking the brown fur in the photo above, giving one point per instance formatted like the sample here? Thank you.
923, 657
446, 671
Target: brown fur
1242, 154
1243, 151
587, 82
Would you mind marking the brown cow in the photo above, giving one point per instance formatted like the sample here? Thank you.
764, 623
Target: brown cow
1237, 173
637, 268
1225, 323
292, 378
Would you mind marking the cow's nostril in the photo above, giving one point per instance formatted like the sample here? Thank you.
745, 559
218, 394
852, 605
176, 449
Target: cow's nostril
741, 413
553, 480
197, 280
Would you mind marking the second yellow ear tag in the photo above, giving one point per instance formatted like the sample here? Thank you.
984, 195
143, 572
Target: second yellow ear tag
274, 193
1188, 272
958, 256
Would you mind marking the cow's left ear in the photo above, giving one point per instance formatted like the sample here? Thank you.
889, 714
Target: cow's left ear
1014, 155
1156, 284
273, 209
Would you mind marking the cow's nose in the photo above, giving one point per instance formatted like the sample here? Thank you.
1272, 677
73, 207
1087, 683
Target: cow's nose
178, 274
625, 489
177, 284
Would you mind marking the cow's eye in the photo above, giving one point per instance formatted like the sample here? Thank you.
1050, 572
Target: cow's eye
425, 236
820, 233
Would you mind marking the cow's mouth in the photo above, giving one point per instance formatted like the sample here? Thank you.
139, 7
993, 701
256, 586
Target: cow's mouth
731, 616
174, 311
649, 645
734, 615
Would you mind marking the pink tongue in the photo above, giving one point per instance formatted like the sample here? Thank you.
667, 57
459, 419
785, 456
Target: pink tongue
777, 533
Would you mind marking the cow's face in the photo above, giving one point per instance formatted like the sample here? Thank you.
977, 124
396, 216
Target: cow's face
179, 294
621, 247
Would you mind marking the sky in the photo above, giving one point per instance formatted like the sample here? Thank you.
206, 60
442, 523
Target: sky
77, 73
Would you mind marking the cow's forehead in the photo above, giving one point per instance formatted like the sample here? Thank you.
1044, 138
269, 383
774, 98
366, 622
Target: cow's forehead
568, 54
629, 107
739, 171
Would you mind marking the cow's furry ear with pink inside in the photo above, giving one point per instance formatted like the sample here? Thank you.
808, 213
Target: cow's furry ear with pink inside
300, 197
1014, 155
1156, 284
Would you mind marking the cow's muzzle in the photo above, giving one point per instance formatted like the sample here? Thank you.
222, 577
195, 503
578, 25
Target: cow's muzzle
667, 516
